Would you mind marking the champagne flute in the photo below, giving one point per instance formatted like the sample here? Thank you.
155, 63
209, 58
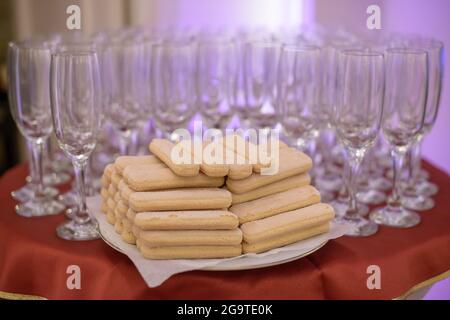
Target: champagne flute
417, 191
173, 85
29, 78
403, 120
77, 115
214, 69
357, 120
298, 86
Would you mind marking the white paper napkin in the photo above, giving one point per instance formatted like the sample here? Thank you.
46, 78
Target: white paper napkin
155, 272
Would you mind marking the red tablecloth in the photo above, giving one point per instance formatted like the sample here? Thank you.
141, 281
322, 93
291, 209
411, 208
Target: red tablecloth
33, 260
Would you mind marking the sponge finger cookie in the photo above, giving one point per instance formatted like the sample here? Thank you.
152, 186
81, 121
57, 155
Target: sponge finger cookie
186, 220
180, 199
189, 252
191, 238
276, 187
276, 203
148, 177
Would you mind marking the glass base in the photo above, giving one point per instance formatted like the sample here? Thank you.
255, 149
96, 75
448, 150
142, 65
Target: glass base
359, 227
418, 203
398, 217
43, 208
371, 197
340, 208
380, 183
26, 193
78, 232
70, 198
329, 181
56, 179
427, 188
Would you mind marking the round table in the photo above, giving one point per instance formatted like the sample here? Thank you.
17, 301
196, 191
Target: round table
34, 261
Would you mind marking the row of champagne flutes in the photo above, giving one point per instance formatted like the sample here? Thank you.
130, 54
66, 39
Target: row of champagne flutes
313, 87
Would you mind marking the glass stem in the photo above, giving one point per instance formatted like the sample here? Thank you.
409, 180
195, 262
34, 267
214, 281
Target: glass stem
124, 142
38, 149
355, 159
414, 162
82, 215
31, 164
398, 157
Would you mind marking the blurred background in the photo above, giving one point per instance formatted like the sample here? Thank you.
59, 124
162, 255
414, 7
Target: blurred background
21, 19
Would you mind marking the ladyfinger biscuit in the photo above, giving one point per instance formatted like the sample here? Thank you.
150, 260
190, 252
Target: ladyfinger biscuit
213, 163
191, 238
127, 224
148, 178
291, 162
189, 252
111, 204
240, 163
276, 203
299, 180
115, 178
287, 222
108, 171
112, 190
136, 231
128, 236
180, 199
285, 239
163, 150
118, 226
110, 217
121, 209
186, 220
104, 193
124, 191
265, 153
131, 214
124, 161
117, 197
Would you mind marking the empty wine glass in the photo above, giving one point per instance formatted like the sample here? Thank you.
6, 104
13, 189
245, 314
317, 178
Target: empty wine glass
123, 62
260, 82
417, 191
77, 115
173, 85
298, 86
403, 119
357, 120
29, 78
214, 70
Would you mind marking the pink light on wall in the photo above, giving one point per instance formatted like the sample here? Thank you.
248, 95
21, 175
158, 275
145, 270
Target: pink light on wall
234, 14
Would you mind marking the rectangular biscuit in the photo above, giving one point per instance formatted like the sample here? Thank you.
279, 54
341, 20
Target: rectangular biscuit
124, 161
287, 222
163, 150
185, 220
147, 178
285, 239
189, 252
180, 199
291, 162
299, 180
124, 191
191, 238
276, 203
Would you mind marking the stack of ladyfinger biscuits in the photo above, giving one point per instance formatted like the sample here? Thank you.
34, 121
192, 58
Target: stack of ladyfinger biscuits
169, 216
211, 210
